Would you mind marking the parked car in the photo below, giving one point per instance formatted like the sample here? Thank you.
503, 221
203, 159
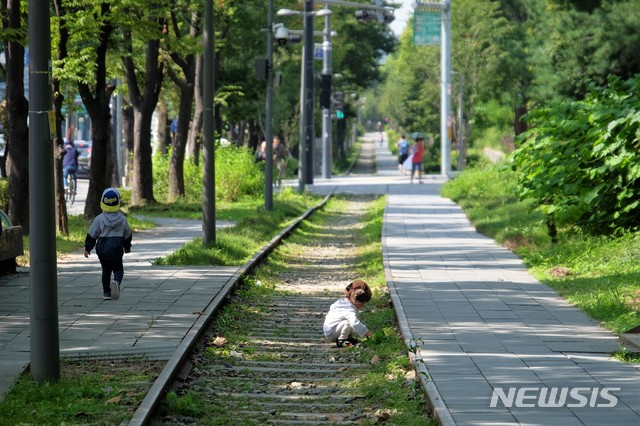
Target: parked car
84, 160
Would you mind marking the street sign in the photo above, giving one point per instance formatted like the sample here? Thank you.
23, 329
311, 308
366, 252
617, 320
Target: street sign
427, 28
318, 53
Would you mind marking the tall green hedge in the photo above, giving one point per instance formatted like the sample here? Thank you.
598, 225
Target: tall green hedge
580, 161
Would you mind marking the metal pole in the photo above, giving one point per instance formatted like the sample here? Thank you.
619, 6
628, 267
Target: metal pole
326, 112
461, 145
308, 89
445, 90
268, 169
302, 154
44, 341
209, 182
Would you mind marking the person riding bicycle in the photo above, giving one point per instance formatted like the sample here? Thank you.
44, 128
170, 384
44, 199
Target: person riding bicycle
70, 162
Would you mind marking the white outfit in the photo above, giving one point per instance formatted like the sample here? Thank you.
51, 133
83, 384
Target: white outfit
341, 320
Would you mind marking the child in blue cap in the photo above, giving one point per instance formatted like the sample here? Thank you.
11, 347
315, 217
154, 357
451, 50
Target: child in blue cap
111, 235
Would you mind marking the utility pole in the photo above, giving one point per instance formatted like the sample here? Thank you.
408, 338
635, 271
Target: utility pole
445, 90
445, 71
44, 341
209, 175
308, 91
268, 169
326, 111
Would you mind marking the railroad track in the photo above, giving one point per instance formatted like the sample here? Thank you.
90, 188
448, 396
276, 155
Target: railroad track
282, 371
278, 369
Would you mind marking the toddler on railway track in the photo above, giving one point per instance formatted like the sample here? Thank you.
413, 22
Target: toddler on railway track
342, 319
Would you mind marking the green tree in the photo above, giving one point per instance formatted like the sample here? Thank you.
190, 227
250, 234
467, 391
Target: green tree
183, 50
143, 33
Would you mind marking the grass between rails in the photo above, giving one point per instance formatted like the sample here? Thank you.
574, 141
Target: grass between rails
599, 274
387, 384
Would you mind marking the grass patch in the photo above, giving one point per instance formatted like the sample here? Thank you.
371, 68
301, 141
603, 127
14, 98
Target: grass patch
95, 392
599, 274
254, 228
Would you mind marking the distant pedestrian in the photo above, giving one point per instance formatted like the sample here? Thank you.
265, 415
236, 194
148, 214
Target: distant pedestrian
416, 160
261, 152
111, 235
403, 148
342, 319
280, 155
70, 162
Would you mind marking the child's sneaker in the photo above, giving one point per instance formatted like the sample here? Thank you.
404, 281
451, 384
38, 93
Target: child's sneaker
115, 290
347, 343
106, 295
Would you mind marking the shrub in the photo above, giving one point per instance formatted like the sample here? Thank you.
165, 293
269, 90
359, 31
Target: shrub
581, 161
235, 173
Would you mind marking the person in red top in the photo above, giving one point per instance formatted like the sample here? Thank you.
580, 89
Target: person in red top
416, 160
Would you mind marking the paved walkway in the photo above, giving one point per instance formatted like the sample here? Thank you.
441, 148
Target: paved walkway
481, 323
158, 305
478, 321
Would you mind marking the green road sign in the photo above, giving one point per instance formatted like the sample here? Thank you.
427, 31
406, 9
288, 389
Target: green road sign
426, 28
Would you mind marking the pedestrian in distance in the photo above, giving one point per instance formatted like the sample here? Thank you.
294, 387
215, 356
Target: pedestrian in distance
111, 236
342, 319
403, 148
70, 162
280, 155
416, 161
261, 152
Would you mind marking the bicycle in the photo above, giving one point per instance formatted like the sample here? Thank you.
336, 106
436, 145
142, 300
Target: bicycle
70, 192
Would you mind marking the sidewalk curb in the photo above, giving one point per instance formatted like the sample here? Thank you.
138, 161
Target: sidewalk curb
439, 408
170, 370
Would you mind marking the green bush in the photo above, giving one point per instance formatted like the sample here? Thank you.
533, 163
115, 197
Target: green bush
580, 161
236, 176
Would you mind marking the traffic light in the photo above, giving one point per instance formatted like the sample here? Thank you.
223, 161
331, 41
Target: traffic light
325, 91
385, 16
338, 104
366, 15
388, 16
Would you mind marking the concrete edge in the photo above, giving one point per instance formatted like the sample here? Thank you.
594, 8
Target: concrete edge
159, 387
439, 408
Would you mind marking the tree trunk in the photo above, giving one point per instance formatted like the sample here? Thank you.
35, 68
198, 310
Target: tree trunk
127, 131
144, 104
58, 100
195, 129
142, 164
520, 126
97, 100
17, 136
163, 137
176, 167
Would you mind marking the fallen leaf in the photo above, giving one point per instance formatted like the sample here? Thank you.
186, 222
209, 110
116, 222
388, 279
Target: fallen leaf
114, 400
219, 341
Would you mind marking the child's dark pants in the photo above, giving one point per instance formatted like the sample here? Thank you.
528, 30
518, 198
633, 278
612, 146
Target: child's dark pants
110, 266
